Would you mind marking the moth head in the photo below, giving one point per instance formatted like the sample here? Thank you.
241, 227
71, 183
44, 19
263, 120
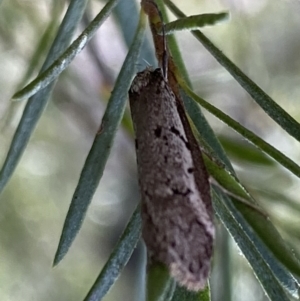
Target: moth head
144, 78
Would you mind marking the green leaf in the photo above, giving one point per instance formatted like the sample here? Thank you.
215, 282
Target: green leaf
194, 22
248, 243
126, 14
223, 279
243, 151
64, 60
36, 104
118, 258
250, 136
225, 178
288, 123
271, 239
160, 285
207, 135
205, 294
97, 157
182, 294
277, 198
257, 220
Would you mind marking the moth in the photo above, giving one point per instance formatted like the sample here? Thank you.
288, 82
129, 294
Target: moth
177, 217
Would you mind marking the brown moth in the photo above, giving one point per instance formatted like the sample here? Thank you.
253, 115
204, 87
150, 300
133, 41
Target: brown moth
177, 217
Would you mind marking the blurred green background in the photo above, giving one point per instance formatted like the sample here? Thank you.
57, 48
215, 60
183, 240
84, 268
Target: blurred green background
261, 37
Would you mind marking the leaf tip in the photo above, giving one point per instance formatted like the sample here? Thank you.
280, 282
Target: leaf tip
58, 257
64, 245
17, 97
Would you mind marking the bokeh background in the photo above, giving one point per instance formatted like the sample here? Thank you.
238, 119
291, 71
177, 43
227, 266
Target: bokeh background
261, 37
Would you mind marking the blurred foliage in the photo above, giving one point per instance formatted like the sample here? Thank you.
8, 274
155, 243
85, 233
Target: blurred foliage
261, 38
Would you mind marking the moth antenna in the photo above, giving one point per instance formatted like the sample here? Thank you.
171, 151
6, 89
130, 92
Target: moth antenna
147, 63
164, 63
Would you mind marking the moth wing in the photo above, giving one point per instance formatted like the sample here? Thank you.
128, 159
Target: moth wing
181, 237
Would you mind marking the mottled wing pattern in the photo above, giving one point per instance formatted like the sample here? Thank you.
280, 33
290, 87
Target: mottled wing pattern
177, 225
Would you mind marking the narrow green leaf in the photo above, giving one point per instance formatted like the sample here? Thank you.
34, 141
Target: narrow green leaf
205, 131
205, 294
223, 280
65, 59
118, 258
244, 239
194, 22
218, 170
126, 13
36, 104
274, 197
262, 226
244, 151
171, 291
225, 178
258, 221
271, 239
288, 123
250, 136
97, 157
160, 285
182, 294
